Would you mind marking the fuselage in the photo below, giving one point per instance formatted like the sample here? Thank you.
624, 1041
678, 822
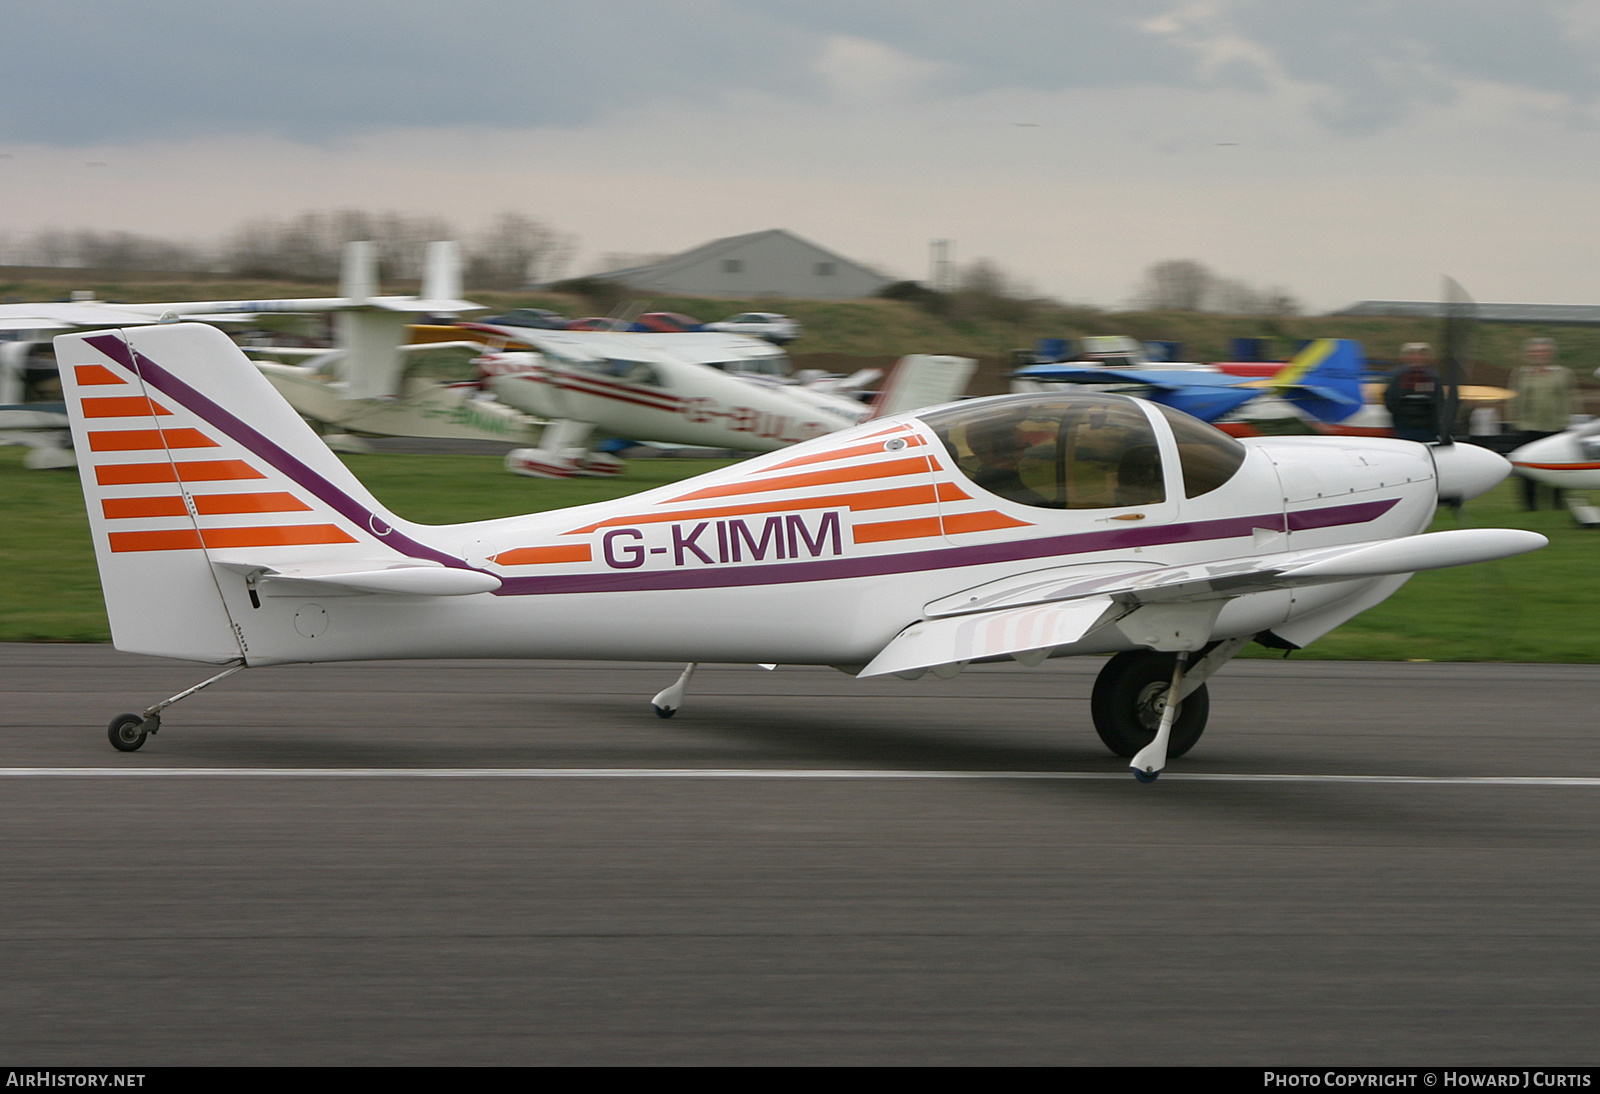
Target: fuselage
1569, 460
822, 553
651, 397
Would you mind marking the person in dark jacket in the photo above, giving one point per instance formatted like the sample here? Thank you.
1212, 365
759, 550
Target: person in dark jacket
1415, 397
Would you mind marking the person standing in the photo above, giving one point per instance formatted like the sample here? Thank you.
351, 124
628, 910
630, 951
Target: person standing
1415, 397
1543, 395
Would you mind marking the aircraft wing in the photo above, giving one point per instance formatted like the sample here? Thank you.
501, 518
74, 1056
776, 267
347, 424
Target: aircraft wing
66, 315
1008, 618
1206, 395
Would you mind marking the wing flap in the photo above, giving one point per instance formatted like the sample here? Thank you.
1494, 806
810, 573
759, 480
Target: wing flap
959, 639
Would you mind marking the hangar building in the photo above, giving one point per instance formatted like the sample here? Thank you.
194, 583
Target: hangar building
770, 263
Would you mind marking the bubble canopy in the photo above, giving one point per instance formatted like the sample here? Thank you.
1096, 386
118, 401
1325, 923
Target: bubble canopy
1083, 450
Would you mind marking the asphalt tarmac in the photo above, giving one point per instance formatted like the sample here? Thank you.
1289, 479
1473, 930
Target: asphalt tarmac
514, 863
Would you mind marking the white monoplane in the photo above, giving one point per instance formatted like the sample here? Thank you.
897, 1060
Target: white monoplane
705, 389
1011, 528
370, 328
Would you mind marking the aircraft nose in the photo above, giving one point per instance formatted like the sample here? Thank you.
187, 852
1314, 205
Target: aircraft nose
1466, 470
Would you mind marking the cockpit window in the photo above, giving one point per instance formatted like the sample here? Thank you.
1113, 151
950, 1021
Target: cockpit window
1080, 451
1209, 456
773, 365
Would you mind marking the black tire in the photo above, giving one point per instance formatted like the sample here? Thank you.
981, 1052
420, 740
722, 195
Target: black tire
125, 734
1125, 712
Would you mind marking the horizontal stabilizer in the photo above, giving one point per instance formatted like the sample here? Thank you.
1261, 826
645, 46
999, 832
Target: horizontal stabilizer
958, 640
415, 578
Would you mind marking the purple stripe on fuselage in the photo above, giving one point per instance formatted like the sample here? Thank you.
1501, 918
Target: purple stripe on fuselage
1335, 515
251, 438
943, 558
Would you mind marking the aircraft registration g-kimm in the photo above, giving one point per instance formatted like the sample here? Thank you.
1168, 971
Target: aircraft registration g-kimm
1016, 527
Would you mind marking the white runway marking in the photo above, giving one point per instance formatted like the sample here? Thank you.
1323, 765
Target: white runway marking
755, 773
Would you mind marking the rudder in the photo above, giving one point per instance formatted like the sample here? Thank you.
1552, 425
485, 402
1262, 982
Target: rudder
187, 458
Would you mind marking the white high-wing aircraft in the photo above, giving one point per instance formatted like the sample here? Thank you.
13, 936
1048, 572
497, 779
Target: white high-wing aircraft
1016, 527
370, 326
716, 390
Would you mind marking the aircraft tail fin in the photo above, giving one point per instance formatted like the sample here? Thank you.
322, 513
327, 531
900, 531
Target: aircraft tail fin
923, 379
1324, 379
195, 472
441, 276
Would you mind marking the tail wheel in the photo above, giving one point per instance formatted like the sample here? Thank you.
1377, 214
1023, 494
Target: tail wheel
125, 732
1128, 700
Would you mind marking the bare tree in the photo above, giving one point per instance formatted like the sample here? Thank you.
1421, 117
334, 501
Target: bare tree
1178, 284
516, 251
309, 245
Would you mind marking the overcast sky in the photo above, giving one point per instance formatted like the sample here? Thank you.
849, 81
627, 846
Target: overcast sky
1343, 149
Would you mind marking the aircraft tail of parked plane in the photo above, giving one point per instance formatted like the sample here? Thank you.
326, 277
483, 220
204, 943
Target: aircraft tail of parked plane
922, 379
189, 464
1324, 379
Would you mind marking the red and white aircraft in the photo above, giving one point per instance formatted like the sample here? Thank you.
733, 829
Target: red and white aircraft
705, 389
1011, 528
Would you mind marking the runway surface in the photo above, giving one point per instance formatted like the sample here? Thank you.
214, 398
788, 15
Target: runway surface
503, 862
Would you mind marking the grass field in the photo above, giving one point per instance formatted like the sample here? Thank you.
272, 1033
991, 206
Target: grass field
1539, 607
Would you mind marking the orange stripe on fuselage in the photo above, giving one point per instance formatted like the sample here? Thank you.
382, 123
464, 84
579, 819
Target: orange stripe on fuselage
122, 406
128, 474
218, 504
96, 376
282, 535
917, 528
901, 428
841, 454
926, 527
535, 556
916, 465
874, 499
122, 508
986, 521
143, 440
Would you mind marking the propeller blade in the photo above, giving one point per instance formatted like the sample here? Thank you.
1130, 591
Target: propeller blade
1460, 312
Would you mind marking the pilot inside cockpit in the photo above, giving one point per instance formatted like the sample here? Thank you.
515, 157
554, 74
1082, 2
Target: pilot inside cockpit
998, 448
1084, 451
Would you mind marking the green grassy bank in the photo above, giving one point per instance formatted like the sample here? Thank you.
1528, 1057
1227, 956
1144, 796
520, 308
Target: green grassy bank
1539, 607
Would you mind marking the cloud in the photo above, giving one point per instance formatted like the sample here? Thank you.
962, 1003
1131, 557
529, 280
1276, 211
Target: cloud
1340, 150
857, 69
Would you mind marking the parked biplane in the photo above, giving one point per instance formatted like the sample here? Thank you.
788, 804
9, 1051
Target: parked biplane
1016, 527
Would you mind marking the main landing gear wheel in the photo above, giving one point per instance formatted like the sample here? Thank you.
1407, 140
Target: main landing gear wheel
1127, 704
125, 732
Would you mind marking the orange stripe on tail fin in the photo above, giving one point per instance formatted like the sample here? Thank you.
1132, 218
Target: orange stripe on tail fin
143, 440
122, 406
96, 376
